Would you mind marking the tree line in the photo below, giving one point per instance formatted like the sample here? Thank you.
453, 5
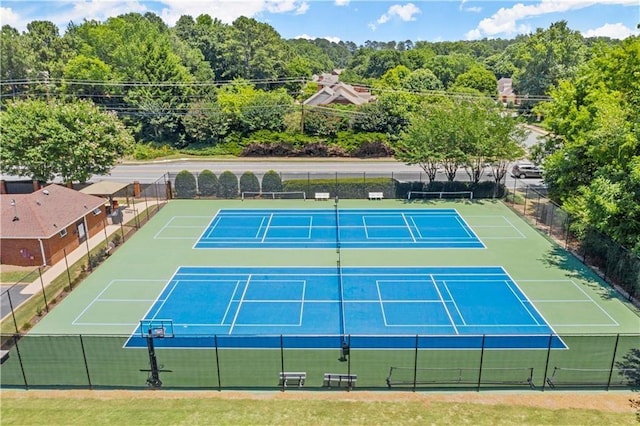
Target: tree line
131, 84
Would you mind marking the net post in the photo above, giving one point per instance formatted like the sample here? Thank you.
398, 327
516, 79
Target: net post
215, 343
613, 361
481, 362
415, 365
284, 381
546, 364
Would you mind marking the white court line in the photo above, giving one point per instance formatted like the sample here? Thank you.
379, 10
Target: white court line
304, 292
163, 228
408, 227
521, 301
384, 316
465, 227
266, 229
596, 303
260, 229
99, 299
235, 290
468, 228
553, 331
455, 305
514, 227
444, 305
235, 318
417, 229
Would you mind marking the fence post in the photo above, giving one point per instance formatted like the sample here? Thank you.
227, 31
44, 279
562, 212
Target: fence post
349, 361
481, 362
553, 213
613, 360
526, 197
415, 366
282, 362
13, 314
86, 364
44, 294
546, 364
16, 337
215, 343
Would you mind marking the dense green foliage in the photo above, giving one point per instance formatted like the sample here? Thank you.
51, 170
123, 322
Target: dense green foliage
207, 183
185, 185
227, 185
249, 182
209, 85
593, 166
271, 182
73, 141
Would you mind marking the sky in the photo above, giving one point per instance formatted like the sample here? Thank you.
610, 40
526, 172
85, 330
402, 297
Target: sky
358, 20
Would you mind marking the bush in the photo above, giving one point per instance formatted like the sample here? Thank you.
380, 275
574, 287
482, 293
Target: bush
116, 240
208, 183
271, 182
149, 151
185, 185
344, 188
249, 182
228, 185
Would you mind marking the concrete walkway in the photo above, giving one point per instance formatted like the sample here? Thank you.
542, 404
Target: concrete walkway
54, 271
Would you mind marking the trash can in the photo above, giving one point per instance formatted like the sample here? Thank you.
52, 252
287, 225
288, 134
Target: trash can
116, 217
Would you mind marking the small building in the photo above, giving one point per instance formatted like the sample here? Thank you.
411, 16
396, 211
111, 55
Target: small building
505, 91
339, 93
38, 227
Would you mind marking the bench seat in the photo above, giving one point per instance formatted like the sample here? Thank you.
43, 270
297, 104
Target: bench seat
339, 380
322, 196
296, 377
376, 195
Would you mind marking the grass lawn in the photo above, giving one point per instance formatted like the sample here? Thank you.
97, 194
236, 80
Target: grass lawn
317, 408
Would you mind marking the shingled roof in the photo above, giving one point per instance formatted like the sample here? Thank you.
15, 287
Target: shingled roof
45, 212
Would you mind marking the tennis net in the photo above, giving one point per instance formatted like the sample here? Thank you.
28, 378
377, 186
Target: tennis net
339, 268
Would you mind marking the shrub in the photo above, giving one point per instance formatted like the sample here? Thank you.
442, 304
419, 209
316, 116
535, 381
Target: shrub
116, 240
185, 185
373, 149
249, 182
271, 182
207, 183
344, 188
228, 185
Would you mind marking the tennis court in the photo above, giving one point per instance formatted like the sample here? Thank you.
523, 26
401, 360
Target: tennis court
350, 228
369, 302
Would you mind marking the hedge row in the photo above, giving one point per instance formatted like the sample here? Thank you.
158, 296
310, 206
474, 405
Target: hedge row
227, 185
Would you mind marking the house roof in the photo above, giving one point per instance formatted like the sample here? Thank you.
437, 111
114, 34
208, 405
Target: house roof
45, 212
104, 188
505, 86
338, 93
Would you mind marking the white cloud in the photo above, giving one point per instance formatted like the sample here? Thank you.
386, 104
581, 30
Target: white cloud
505, 20
308, 37
474, 9
9, 17
342, 2
618, 31
404, 13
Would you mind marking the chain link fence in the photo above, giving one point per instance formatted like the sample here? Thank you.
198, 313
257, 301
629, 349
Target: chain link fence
80, 361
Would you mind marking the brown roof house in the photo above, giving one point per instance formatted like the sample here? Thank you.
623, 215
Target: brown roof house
36, 227
340, 93
505, 91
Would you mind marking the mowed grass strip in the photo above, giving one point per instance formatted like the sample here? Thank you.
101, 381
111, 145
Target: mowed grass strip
310, 408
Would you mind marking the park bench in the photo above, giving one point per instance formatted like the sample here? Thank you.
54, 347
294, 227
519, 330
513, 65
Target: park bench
287, 377
376, 195
322, 196
338, 380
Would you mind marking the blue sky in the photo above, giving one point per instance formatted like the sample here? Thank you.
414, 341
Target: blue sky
358, 20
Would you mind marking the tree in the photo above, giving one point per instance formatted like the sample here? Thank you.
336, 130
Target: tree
37, 135
271, 182
228, 185
16, 60
594, 165
207, 183
249, 182
185, 185
478, 78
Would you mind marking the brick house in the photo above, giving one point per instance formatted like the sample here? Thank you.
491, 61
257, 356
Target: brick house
36, 227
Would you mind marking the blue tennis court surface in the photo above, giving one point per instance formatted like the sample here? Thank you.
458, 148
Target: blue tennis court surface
243, 306
350, 228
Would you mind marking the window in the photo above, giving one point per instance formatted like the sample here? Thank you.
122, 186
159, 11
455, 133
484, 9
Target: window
97, 211
63, 233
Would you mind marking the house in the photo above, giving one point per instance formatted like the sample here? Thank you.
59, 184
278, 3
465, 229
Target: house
36, 228
506, 94
339, 93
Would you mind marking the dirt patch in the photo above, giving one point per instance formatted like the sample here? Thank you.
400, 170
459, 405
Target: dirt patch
601, 401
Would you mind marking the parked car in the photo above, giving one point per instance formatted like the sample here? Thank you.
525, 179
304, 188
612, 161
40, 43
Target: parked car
526, 171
